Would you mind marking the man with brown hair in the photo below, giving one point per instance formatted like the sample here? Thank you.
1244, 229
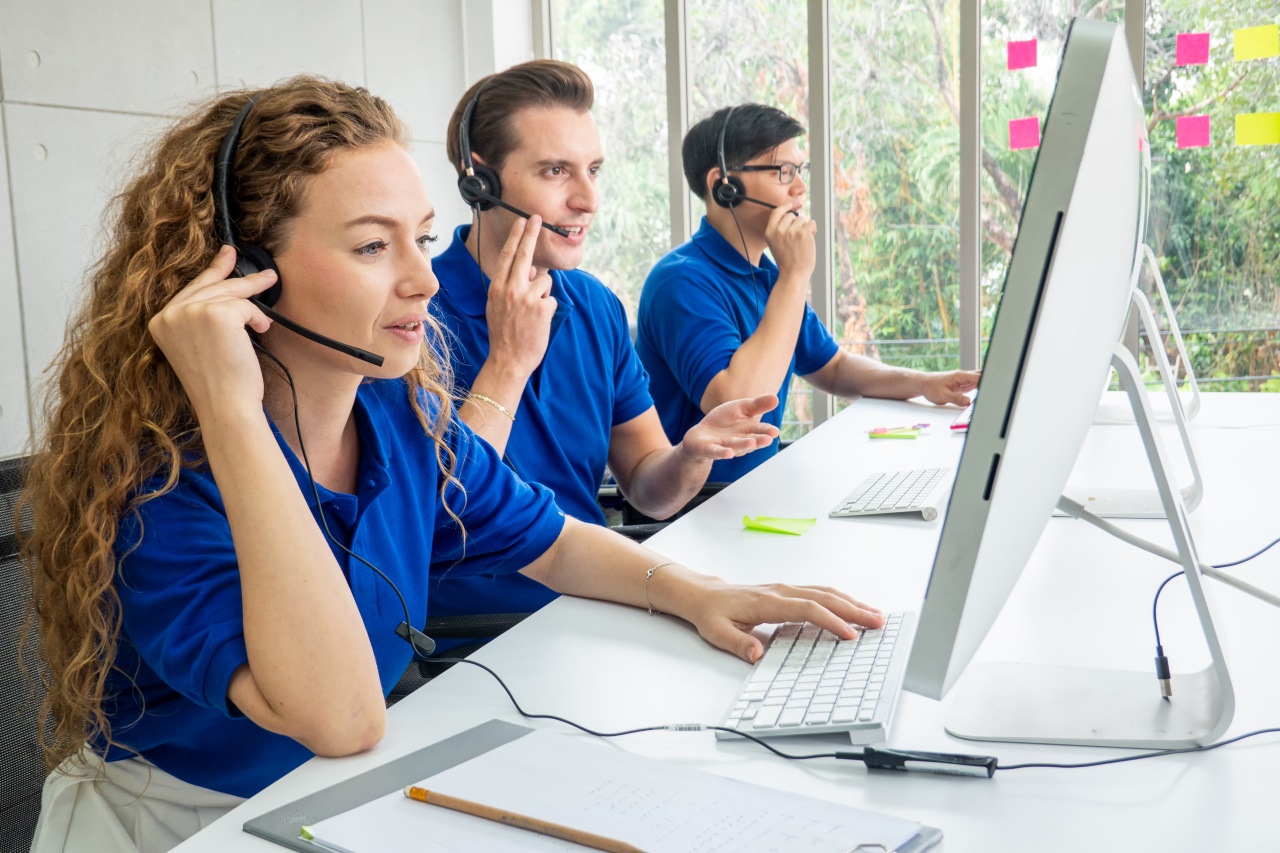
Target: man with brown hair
541, 350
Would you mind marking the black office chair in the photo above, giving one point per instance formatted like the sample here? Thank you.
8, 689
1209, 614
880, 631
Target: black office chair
23, 774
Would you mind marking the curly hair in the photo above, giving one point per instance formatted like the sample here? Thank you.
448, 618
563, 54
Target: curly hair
116, 415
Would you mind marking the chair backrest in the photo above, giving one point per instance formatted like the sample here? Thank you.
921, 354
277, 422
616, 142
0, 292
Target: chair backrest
23, 766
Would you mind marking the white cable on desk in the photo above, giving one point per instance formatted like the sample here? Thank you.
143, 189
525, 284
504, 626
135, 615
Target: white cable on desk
1076, 510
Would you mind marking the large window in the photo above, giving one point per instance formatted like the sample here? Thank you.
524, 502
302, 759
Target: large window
895, 117
1214, 225
1022, 46
753, 52
895, 82
620, 44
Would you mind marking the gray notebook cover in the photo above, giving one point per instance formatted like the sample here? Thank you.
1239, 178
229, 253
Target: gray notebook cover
282, 825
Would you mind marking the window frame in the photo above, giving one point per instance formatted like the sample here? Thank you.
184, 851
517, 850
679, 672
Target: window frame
822, 200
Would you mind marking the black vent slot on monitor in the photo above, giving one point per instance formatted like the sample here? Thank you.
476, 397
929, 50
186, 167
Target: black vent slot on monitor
1035, 321
991, 477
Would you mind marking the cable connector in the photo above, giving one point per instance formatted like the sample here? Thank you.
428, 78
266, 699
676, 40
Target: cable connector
1162, 673
422, 644
948, 763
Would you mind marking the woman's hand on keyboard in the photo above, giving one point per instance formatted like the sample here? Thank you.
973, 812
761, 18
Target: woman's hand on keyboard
726, 614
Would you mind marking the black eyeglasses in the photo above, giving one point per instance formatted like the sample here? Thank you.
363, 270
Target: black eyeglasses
786, 171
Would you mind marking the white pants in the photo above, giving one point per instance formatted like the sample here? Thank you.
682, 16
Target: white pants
126, 806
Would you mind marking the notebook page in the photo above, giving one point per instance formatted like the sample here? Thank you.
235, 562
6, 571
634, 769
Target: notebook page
598, 788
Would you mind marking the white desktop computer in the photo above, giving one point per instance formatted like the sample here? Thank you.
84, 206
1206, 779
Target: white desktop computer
1054, 342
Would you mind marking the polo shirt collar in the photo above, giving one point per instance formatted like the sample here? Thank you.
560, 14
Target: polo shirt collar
468, 287
712, 244
375, 459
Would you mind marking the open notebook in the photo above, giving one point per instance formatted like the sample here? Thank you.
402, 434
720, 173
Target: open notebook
588, 785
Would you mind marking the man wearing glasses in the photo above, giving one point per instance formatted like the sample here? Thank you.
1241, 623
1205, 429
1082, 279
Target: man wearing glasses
719, 320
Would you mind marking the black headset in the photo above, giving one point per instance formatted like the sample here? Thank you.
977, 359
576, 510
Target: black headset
478, 184
251, 258
731, 191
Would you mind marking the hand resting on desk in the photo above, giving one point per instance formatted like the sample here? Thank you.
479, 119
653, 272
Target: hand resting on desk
730, 611
594, 562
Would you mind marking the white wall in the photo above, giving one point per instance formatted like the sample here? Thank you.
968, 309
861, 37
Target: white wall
82, 84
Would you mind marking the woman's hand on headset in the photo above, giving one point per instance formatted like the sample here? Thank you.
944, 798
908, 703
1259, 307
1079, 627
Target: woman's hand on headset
201, 332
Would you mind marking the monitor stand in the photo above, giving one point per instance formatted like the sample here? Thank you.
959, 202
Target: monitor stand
1113, 409
1146, 503
1044, 703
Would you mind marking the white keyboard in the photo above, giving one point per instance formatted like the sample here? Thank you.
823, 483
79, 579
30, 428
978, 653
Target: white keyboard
922, 490
811, 682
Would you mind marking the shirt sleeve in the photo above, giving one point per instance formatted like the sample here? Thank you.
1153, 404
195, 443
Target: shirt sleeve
179, 587
815, 346
506, 523
694, 331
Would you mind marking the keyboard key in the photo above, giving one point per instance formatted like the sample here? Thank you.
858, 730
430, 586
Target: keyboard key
817, 715
792, 717
767, 718
821, 681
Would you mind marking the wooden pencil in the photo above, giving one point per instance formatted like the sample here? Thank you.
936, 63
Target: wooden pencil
519, 821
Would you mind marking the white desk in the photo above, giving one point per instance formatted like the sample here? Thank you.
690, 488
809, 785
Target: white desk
1084, 598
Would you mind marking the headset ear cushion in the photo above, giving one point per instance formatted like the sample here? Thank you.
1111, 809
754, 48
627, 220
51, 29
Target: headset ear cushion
729, 193
251, 259
475, 188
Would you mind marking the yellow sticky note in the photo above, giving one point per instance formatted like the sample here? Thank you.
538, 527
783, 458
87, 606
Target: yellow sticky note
1258, 129
770, 524
1257, 42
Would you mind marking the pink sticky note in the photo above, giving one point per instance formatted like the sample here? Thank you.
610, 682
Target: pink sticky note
1193, 49
1022, 54
1024, 133
1193, 131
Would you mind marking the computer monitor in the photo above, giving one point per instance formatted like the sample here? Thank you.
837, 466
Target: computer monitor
1061, 313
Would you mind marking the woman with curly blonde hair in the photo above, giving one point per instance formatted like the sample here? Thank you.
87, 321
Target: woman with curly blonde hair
204, 626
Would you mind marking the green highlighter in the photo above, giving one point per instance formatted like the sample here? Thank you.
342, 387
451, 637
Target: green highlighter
770, 524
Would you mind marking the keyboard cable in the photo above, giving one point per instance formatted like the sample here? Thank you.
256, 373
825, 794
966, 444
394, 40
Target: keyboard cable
873, 757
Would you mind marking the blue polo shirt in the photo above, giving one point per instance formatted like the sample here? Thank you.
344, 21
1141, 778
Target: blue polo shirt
182, 632
699, 304
590, 381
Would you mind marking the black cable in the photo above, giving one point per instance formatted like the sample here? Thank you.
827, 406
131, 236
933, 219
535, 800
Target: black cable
664, 728
1163, 675
1139, 757
676, 727
860, 756
751, 268
1258, 553
324, 523
1155, 619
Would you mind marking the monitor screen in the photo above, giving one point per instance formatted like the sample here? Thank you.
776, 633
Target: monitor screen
1061, 313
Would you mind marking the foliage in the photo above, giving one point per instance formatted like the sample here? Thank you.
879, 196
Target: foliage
895, 113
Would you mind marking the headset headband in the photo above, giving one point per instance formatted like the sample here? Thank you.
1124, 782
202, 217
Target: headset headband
464, 129
223, 222
724, 166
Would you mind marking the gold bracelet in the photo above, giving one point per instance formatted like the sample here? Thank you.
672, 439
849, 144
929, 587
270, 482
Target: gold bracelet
647, 576
492, 402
